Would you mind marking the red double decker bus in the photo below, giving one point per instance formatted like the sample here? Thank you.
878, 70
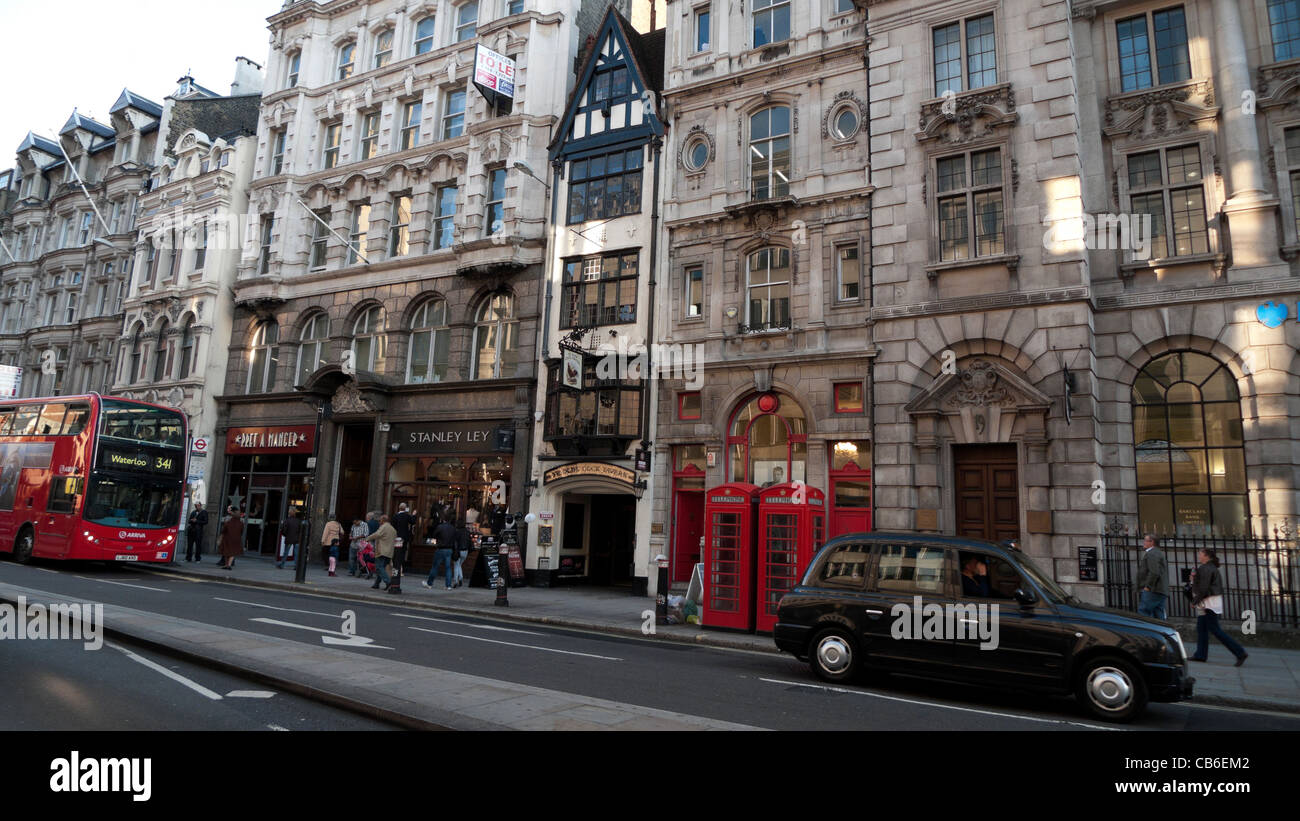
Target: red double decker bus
91, 477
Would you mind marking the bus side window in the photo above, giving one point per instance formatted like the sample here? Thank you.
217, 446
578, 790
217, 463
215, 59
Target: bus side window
6, 421
51, 421
25, 420
75, 421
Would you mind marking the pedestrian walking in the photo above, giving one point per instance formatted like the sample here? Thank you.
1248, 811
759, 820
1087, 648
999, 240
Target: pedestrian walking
232, 537
384, 538
464, 543
356, 537
194, 533
1207, 598
372, 522
330, 537
290, 534
445, 535
404, 524
1153, 572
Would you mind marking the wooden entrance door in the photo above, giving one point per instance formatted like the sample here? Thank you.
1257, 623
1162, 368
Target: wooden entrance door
987, 491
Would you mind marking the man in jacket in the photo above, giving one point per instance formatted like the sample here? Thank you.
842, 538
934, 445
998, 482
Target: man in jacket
291, 532
194, 533
404, 524
446, 538
1153, 571
384, 538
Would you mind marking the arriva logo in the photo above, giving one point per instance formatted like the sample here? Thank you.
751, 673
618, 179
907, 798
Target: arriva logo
130, 534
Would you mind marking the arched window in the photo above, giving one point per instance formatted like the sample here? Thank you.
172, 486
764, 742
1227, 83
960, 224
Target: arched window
160, 368
768, 441
467, 21
136, 373
383, 48
347, 60
769, 153
311, 348
187, 349
368, 340
263, 357
424, 35
768, 289
1189, 449
430, 341
496, 338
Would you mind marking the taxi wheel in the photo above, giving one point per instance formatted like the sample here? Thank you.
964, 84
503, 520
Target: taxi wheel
23, 546
1112, 689
833, 655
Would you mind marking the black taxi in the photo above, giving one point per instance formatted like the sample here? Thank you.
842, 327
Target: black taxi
971, 611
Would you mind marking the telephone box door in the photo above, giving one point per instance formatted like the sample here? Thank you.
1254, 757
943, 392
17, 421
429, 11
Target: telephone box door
792, 528
729, 512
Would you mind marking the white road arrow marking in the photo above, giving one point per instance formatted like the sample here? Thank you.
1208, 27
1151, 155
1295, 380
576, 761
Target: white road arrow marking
250, 694
344, 639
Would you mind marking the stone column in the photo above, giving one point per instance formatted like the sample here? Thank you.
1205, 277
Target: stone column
1250, 207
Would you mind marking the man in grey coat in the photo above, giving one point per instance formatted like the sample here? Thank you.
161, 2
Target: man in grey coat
1153, 572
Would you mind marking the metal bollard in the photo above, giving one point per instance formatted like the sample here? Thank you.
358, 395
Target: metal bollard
661, 590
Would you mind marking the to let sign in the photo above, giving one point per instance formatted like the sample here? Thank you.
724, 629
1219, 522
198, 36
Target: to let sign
283, 439
494, 72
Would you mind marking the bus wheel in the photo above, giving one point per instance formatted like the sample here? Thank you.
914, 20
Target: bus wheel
23, 546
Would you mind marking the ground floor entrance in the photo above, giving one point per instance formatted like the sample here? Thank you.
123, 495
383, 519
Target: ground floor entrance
987, 491
597, 539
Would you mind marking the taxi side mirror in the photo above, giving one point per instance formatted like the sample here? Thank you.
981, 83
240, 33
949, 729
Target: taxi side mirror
1025, 597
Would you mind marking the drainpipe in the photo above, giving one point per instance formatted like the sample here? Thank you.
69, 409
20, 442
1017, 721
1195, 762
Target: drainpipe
871, 278
658, 145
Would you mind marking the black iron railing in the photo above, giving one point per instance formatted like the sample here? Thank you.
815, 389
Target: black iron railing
1261, 575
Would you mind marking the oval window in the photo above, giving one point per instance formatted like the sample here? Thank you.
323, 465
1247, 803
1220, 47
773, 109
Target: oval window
846, 123
697, 155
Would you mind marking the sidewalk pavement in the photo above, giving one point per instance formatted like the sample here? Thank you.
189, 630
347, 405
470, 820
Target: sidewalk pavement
1269, 680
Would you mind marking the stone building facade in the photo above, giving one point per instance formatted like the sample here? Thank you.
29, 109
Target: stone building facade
386, 309
61, 297
1050, 365
175, 324
767, 226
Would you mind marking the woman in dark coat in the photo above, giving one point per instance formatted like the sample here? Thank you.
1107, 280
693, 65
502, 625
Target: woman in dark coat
232, 533
1207, 598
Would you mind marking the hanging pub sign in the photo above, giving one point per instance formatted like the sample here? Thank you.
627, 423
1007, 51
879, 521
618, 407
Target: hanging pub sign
643, 460
572, 369
494, 77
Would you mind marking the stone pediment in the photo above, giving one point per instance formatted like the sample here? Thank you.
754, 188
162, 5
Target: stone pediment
1161, 112
981, 403
957, 119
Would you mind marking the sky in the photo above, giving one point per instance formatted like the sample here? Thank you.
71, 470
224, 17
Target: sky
61, 54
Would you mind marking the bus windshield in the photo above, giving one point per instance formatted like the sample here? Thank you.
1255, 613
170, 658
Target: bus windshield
141, 425
137, 503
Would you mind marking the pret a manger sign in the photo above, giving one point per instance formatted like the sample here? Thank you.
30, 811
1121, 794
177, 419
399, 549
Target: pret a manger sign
285, 439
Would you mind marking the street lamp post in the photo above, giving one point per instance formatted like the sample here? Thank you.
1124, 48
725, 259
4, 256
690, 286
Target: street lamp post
300, 566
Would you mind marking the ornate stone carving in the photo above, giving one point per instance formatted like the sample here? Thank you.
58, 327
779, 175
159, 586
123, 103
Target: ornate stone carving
1160, 113
970, 116
979, 387
348, 399
843, 96
697, 131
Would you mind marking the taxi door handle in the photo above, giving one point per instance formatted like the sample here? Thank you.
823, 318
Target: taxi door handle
875, 614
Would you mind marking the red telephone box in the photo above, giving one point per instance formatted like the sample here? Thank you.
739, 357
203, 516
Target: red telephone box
791, 529
729, 513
